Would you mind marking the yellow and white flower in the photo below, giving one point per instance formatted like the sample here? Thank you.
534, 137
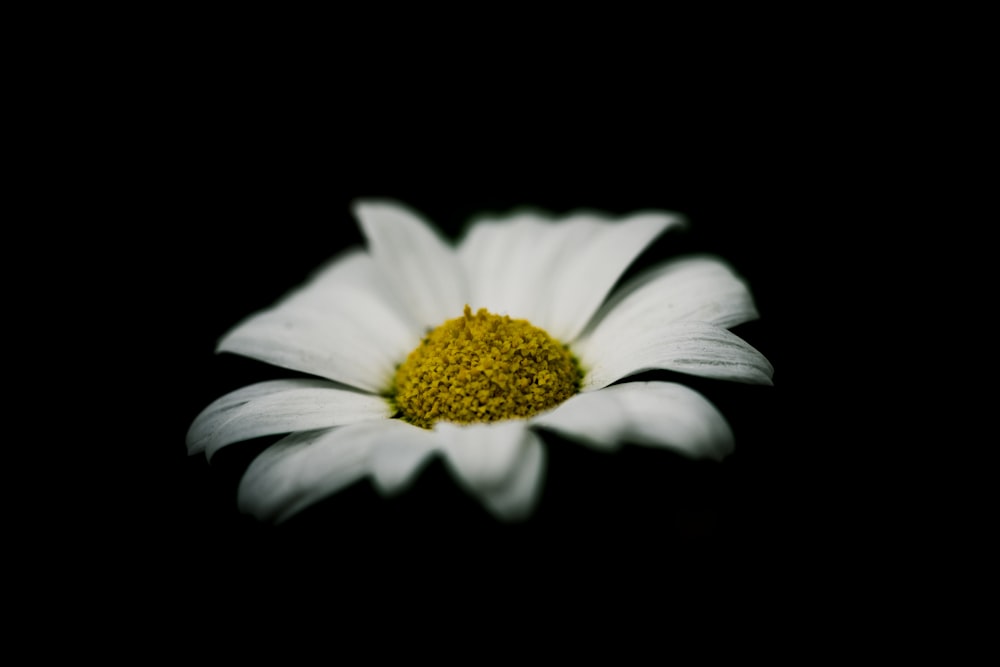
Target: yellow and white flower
420, 348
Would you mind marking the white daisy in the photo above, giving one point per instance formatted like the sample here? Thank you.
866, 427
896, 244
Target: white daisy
421, 349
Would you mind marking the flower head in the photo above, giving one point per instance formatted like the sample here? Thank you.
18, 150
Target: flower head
420, 348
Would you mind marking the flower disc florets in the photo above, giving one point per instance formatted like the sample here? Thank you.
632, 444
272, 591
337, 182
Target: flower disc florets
484, 367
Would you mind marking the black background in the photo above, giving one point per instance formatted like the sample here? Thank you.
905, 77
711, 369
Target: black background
245, 203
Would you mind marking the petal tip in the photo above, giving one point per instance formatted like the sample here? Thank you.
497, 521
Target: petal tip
367, 209
362, 206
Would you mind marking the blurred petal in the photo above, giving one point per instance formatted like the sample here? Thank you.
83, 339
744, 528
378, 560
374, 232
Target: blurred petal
553, 273
302, 469
339, 326
279, 406
501, 463
353, 269
415, 261
306, 467
399, 452
700, 288
697, 348
660, 414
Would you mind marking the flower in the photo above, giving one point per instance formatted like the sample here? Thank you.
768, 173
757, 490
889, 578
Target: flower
421, 348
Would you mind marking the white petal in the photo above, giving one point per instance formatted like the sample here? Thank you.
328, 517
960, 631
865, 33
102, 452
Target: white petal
697, 348
340, 325
584, 275
660, 414
301, 469
509, 262
399, 452
306, 467
354, 269
701, 288
416, 262
501, 463
553, 273
279, 406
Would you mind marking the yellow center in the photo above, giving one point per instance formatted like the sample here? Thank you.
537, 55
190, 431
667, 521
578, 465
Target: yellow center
484, 367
